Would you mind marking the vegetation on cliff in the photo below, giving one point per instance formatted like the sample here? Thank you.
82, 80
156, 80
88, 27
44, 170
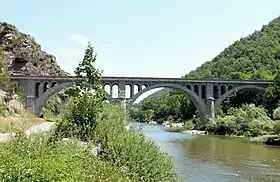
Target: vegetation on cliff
256, 56
23, 55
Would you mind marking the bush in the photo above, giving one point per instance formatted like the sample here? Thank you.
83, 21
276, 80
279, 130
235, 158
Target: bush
80, 117
131, 151
249, 120
267, 139
35, 159
189, 124
276, 113
276, 127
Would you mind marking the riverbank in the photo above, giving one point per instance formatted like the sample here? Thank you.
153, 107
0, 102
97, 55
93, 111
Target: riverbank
264, 139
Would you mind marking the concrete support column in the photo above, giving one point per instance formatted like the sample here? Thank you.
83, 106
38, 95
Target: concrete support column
211, 106
219, 91
30, 103
139, 87
199, 91
121, 95
226, 88
111, 91
41, 89
131, 91
30, 98
210, 100
209, 90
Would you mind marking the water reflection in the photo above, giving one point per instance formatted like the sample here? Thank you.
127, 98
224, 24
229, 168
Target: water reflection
217, 158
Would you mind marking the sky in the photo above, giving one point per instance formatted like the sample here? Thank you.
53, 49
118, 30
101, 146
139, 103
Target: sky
147, 38
156, 38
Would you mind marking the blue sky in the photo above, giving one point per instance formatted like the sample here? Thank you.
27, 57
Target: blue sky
157, 38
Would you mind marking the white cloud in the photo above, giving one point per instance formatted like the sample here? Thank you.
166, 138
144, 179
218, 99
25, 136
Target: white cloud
78, 39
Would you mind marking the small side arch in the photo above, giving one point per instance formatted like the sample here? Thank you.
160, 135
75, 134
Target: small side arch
198, 102
255, 88
41, 101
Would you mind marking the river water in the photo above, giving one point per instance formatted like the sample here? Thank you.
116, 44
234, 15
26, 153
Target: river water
217, 159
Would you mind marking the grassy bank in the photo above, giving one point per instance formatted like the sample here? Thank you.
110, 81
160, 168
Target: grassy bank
22, 120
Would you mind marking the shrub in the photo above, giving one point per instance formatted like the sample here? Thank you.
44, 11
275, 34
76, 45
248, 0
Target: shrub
80, 117
276, 127
131, 151
276, 113
267, 139
189, 124
35, 159
248, 120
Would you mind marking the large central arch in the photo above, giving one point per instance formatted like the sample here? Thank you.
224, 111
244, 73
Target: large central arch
198, 102
41, 101
255, 88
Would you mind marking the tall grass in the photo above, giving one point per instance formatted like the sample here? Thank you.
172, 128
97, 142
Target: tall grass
141, 158
35, 159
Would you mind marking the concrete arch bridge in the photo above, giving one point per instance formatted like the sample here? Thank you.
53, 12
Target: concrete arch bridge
206, 94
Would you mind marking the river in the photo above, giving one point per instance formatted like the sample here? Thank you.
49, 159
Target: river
217, 159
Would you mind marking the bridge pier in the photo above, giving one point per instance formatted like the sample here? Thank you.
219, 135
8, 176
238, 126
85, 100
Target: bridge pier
30, 103
211, 107
30, 98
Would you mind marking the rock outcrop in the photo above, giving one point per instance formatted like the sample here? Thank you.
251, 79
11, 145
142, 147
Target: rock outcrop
23, 54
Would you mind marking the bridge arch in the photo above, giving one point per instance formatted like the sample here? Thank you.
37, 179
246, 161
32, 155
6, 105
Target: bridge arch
198, 102
41, 101
255, 88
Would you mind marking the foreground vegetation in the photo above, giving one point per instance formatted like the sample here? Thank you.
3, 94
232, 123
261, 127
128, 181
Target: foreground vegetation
124, 155
90, 125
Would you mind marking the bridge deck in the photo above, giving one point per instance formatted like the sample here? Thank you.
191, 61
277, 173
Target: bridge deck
143, 79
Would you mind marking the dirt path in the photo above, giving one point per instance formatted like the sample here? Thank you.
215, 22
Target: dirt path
34, 129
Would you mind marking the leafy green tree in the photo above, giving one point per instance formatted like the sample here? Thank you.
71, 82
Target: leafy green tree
85, 107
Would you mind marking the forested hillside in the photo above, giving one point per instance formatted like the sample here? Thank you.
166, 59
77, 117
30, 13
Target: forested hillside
256, 56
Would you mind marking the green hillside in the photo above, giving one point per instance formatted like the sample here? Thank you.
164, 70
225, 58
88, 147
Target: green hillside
256, 56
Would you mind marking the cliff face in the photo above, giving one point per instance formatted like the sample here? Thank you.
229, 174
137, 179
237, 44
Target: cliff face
24, 56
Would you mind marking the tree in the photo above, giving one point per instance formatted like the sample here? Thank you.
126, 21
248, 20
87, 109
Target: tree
85, 107
90, 77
